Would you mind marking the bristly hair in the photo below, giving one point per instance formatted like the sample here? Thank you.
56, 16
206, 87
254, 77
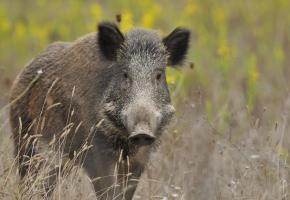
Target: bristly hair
142, 42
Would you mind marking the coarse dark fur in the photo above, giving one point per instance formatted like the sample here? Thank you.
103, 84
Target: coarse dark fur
107, 91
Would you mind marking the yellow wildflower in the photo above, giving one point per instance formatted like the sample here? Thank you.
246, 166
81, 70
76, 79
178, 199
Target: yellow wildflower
19, 30
4, 25
219, 15
253, 73
223, 50
279, 54
190, 8
127, 20
171, 75
96, 11
147, 20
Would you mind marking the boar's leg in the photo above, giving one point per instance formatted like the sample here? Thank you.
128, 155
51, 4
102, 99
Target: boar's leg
101, 172
135, 172
111, 180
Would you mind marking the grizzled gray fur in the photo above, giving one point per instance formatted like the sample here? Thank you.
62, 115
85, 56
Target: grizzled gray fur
106, 90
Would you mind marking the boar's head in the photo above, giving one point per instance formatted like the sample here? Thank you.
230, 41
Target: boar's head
137, 99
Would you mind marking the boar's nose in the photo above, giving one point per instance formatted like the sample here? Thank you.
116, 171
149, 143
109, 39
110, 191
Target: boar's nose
141, 114
142, 136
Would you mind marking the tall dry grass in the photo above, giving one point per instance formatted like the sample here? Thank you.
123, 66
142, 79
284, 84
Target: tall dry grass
195, 160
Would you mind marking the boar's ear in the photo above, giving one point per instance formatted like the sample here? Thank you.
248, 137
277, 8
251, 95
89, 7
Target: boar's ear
177, 43
110, 39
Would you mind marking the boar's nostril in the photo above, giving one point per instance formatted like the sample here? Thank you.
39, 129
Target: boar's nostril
142, 139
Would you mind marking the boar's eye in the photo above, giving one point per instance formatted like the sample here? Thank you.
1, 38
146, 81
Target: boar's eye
158, 76
159, 73
125, 75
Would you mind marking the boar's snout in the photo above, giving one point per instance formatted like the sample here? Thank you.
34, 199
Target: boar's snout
142, 135
141, 121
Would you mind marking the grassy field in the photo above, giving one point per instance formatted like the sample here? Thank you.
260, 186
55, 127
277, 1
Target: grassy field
230, 139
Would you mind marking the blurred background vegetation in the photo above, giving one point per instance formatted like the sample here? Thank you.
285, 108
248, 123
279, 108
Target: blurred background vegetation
236, 45
237, 79
239, 48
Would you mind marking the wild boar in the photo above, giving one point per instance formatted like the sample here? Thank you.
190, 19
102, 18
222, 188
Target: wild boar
108, 91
